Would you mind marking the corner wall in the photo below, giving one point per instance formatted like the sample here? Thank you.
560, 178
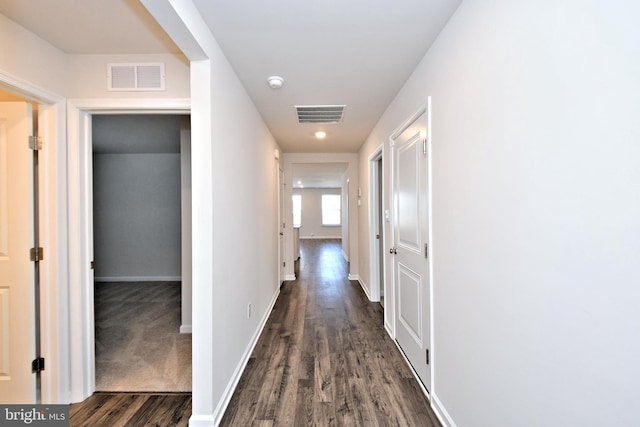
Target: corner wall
536, 165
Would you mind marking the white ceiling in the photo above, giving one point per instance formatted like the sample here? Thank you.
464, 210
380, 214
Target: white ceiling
318, 175
353, 52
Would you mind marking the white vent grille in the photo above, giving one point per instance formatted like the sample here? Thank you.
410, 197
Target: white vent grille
320, 113
135, 77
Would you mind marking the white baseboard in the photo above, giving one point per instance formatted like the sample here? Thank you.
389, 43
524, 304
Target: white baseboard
235, 378
185, 329
364, 287
201, 421
137, 279
289, 277
320, 237
441, 413
354, 277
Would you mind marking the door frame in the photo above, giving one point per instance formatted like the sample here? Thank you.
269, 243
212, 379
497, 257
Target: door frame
281, 220
79, 153
53, 268
426, 108
374, 201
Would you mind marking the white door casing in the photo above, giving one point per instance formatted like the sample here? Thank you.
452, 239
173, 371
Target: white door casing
411, 238
17, 318
281, 226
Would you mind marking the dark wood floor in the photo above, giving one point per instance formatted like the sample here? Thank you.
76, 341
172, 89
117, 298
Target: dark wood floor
323, 359
105, 409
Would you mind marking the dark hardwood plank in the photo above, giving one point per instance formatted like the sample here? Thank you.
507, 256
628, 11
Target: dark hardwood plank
132, 409
325, 358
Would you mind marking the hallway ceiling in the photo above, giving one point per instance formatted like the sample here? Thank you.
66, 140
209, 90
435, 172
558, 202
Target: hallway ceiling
356, 53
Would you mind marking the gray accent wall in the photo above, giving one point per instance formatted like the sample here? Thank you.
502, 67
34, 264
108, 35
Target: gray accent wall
137, 216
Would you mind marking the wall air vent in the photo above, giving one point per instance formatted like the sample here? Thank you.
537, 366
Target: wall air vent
135, 77
320, 113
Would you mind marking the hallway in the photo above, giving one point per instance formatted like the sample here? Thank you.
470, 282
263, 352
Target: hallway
324, 357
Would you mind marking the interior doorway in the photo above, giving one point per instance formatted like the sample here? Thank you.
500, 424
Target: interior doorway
377, 227
138, 181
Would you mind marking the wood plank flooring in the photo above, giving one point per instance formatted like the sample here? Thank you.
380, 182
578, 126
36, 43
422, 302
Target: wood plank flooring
105, 409
324, 358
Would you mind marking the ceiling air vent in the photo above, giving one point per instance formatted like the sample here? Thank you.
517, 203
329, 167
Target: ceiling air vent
320, 113
135, 77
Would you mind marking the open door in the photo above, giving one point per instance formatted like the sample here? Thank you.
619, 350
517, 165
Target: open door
17, 296
410, 250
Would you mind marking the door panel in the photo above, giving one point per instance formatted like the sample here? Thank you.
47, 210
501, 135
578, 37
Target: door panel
17, 383
409, 307
411, 234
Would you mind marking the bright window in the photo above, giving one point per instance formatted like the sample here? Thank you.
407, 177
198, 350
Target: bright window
297, 210
331, 209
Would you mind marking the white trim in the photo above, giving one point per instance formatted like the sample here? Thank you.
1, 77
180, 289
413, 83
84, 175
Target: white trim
441, 412
137, 279
430, 243
289, 277
374, 245
344, 255
364, 287
28, 90
202, 421
354, 277
185, 329
133, 106
218, 413
54, 273
81, 338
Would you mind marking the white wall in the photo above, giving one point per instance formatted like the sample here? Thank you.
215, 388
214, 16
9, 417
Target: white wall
137, 217
90, 76
28, 57
311, 222
536, 165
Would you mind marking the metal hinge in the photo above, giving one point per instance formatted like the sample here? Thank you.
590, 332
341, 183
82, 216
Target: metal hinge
36, 254
427, 356
35, 143
426, 250
424, 146
37, 365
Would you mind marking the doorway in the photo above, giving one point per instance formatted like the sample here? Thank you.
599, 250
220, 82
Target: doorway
377, 221
79, 160
46, 109
137, 233
411, 239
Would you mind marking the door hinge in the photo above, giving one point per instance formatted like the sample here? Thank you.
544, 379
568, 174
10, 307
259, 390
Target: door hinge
35, 143
424, 146
426, 250
427, 356
36, 254
37, 365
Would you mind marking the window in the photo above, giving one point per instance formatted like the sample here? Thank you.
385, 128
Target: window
297, 210
331, 209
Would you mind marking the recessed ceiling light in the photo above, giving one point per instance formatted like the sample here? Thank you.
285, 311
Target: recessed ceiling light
321, 134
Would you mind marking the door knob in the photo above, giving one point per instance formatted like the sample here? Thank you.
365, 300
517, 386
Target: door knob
393, 251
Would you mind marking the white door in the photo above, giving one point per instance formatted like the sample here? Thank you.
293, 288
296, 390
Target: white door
411, 235
17, 325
